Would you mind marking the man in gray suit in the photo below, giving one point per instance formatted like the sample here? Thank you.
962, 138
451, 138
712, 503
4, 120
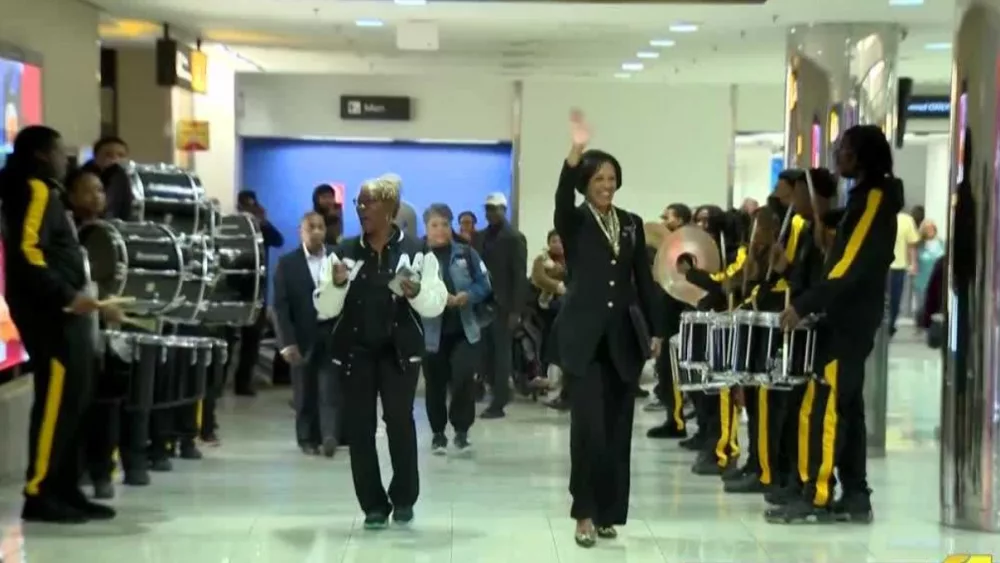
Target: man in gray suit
315, 386
505, 252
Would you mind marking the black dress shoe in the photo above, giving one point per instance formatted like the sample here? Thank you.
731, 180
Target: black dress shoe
53, 511
747, 483
708, 464
854, 507
329, 447
667, 430
91, 510
189, 450
402, 515
694, 443
780, 496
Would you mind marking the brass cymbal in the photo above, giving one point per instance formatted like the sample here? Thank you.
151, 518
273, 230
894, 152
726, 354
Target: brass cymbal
693, 244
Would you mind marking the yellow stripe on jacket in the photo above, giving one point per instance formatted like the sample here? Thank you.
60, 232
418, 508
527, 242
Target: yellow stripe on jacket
733, 269
858, 236
33, 223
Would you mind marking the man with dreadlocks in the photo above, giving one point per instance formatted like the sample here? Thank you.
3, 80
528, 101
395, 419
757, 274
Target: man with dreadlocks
377, 287
850, 301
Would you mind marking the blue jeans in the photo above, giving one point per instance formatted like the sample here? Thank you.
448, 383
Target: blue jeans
897, 282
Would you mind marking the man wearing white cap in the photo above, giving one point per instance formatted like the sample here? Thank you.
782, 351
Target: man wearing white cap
505, 252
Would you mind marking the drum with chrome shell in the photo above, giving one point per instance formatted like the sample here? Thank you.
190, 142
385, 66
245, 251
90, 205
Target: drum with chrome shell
168, 194
237, 293
139, 260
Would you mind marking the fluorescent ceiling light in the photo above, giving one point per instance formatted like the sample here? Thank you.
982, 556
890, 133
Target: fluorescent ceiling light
662, 43
647, 55
906, 2
369, 23
622, 75
684, 28
937, 46
410, 2
632, 67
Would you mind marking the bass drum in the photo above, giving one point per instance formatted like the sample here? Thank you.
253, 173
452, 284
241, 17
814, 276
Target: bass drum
173, 196
237, 295
198, 275
138, 260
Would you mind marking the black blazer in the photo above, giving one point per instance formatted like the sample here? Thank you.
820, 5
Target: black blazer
602, 288
507, 261
297, 322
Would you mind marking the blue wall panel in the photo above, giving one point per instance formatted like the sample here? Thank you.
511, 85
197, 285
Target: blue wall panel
284, 172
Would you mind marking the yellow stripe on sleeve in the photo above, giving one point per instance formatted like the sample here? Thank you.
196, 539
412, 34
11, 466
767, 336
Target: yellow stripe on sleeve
734, 268
858, 236
793, 238
33, 223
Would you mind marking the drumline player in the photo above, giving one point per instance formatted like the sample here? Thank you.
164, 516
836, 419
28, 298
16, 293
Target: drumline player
49, 300
718, 415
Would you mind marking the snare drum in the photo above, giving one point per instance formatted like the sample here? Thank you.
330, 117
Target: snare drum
237, 295
794, 362
693, 347
756, 341
139, 260
217, 367
685, 379
167, 194
720, 348
182, 372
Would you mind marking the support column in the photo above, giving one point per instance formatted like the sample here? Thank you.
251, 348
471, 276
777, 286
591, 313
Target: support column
838, 76
970, 406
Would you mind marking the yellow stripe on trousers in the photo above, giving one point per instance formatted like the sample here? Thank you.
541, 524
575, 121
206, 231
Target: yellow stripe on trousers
823, 496
47, 432
199, 414
734, 432
762, 437
805, 415
725, 412
678, 408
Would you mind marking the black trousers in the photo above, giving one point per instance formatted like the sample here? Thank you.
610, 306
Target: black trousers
452, 368
318, 400
783, 466
133, 438
667, 392
832, 425
62, 358
498, 354
751, 402
601, 415
368, 376
246, 360
722, 425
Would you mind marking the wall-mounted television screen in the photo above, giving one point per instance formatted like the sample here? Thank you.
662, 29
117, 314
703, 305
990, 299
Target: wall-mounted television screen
20, 98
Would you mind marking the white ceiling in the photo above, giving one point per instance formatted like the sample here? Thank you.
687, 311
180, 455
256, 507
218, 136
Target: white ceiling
734, 44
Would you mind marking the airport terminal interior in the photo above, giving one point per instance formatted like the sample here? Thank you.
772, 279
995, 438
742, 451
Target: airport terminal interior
240, 145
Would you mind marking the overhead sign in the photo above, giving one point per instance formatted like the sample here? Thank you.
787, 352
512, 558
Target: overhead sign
179, 65
192, 135
375, 108
928, 107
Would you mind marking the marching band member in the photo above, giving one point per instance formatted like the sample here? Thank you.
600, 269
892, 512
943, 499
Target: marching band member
377, 286
49, 301
609, 324
851, 296
719, 415
800, 265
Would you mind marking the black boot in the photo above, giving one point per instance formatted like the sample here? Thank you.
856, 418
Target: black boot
855, 507
749, 482
708, 464
188, 450
136, 477
667, 430
800, 511
784, 494
51, 510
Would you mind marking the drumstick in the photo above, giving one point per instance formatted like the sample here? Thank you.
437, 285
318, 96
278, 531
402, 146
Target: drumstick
111, 301
726, 284
145, 324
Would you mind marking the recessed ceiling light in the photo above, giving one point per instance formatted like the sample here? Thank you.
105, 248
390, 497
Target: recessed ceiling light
369, 23
622, 75
906, 2
684, 28
410, 2
937, 46
632, 67
662, 43
647, 55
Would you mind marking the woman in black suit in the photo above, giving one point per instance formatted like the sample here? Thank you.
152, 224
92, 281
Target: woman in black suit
611, 317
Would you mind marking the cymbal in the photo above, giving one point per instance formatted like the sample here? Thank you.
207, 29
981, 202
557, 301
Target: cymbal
694, 244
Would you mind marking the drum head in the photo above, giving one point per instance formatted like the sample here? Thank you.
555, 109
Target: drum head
102, 242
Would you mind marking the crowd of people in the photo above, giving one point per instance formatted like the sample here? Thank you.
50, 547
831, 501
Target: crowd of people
359, 318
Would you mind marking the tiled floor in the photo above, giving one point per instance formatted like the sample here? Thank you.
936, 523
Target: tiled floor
256, 500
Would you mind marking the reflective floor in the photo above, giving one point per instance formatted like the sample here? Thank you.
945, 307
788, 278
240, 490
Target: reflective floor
256, 499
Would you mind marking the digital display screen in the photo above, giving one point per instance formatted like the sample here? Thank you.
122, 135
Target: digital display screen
20, 98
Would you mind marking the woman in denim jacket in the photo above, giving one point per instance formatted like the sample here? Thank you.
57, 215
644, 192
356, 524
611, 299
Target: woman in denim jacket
453, 337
